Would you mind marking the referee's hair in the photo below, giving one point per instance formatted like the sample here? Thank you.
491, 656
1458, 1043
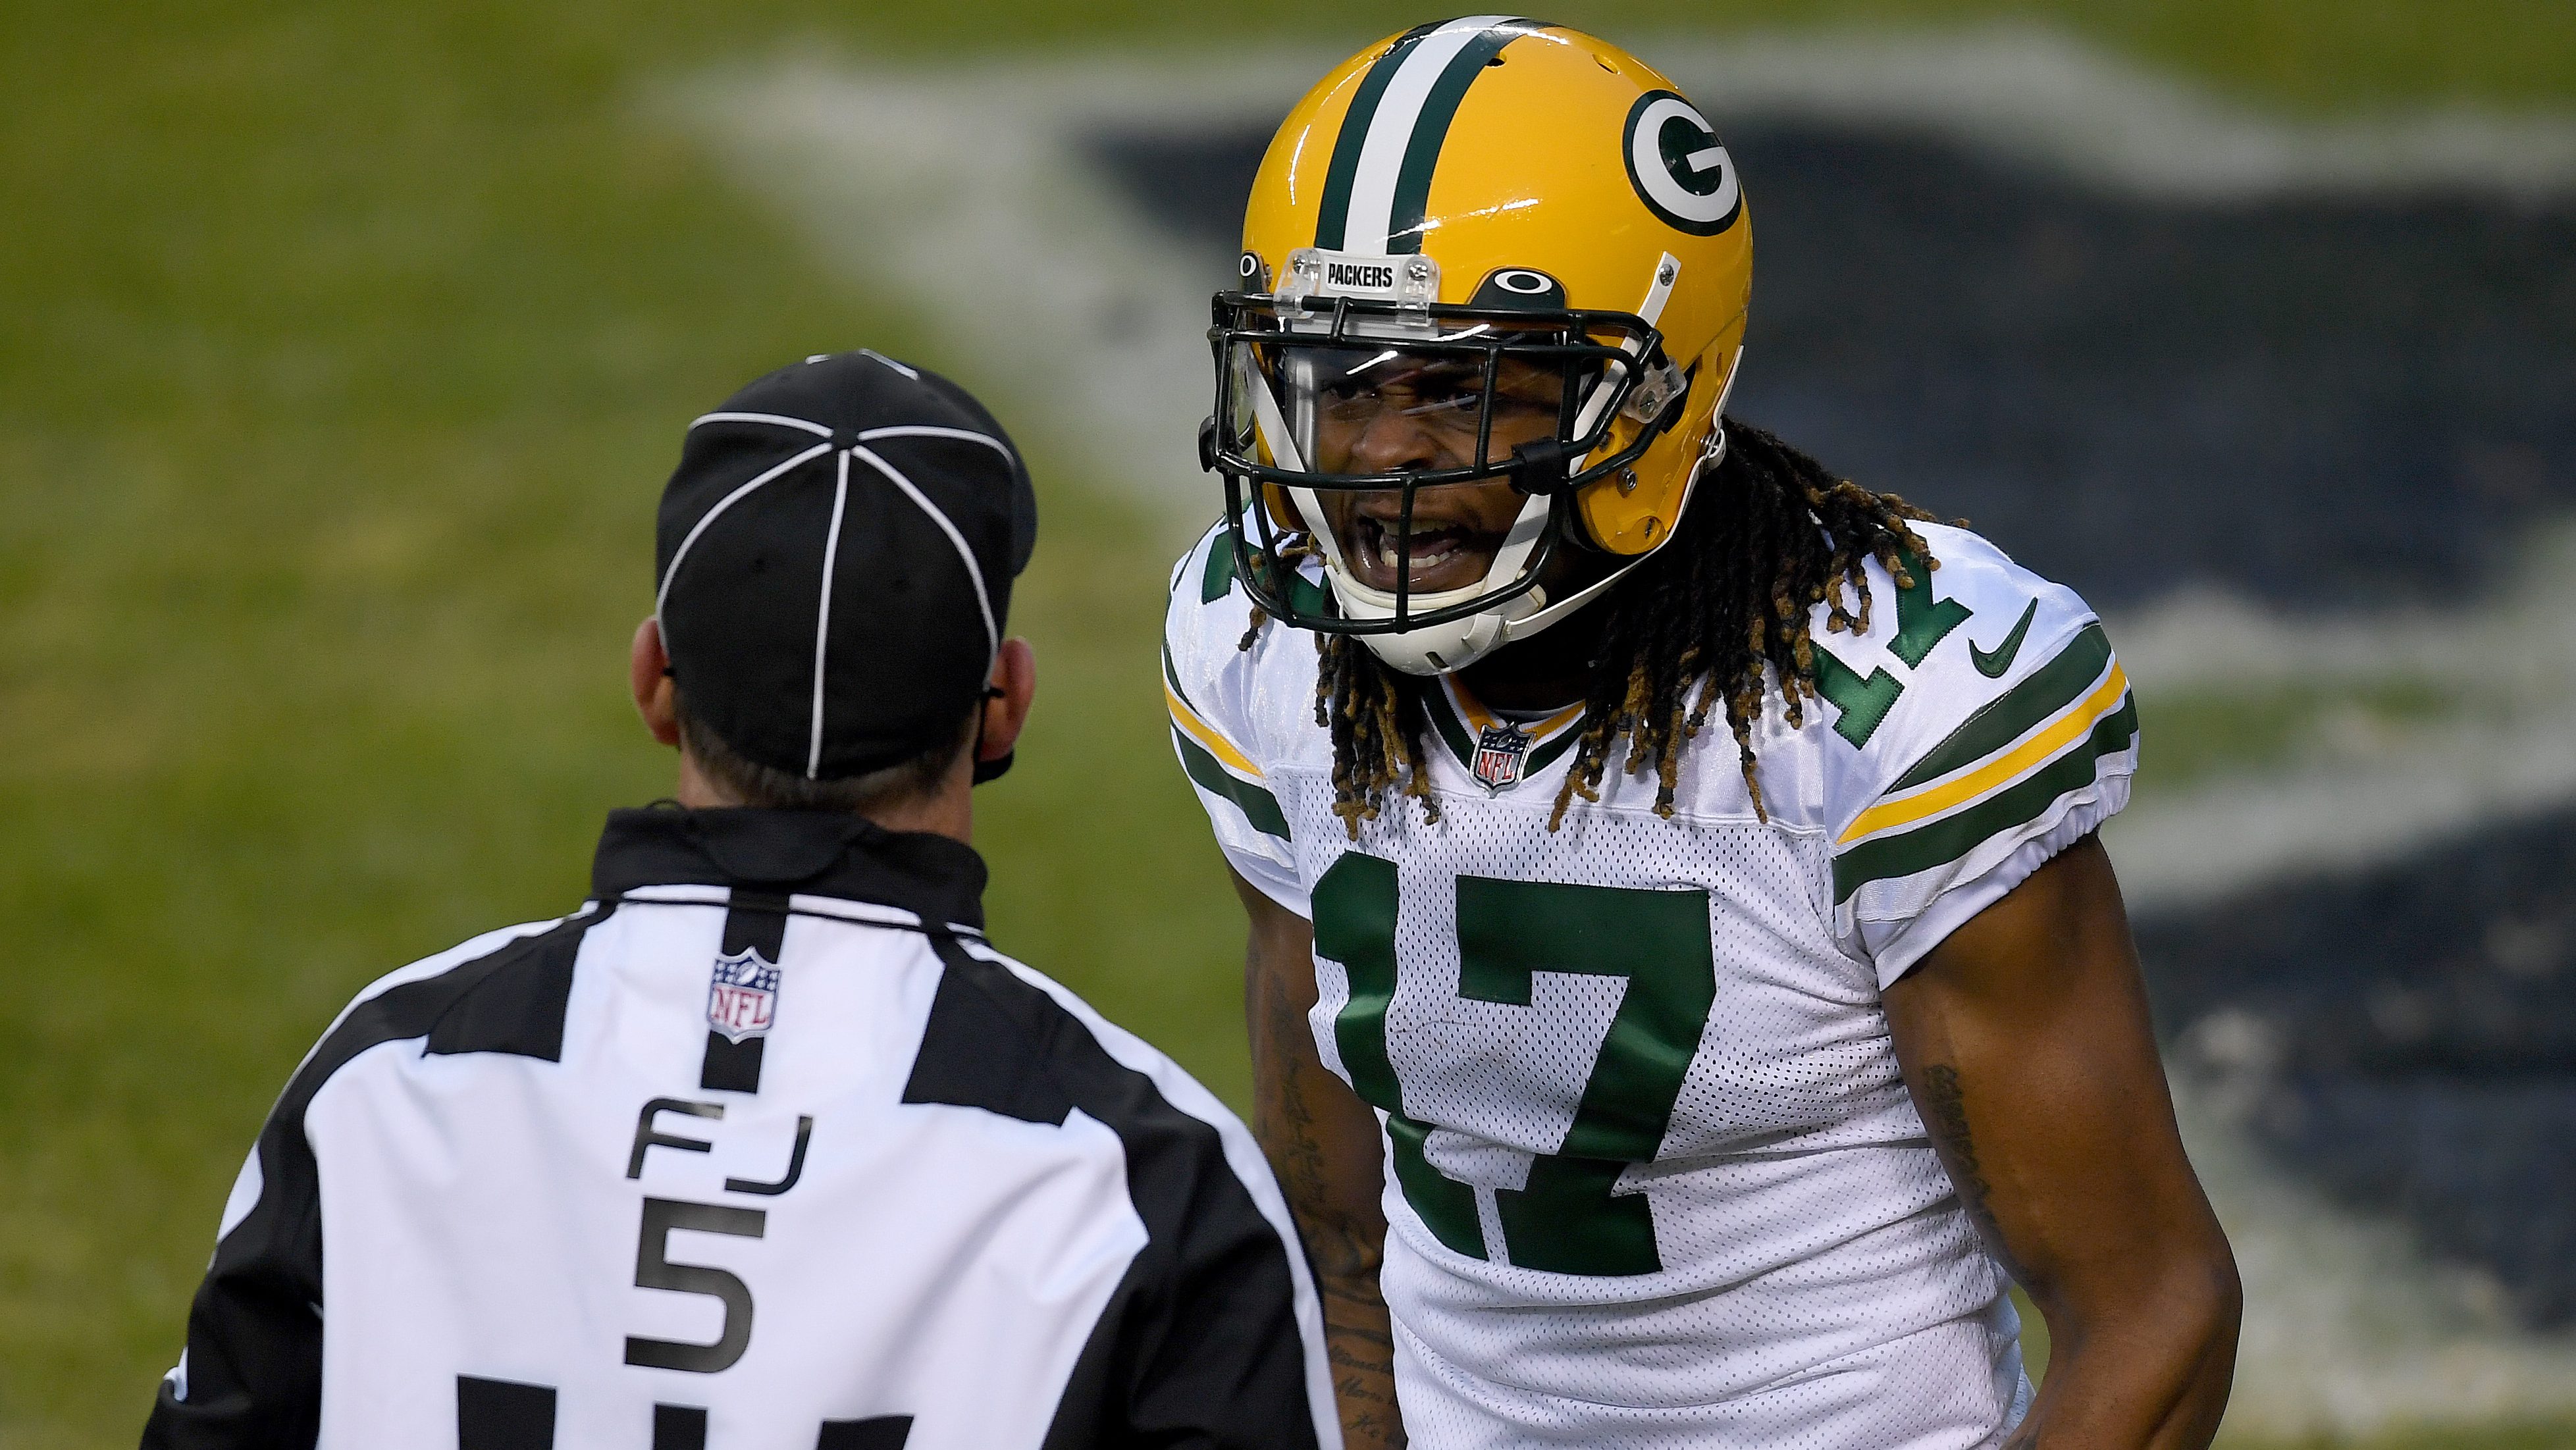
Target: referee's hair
755, 784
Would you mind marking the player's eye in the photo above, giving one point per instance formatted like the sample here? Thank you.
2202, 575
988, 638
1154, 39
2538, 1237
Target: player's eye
1350, 400
1445, 401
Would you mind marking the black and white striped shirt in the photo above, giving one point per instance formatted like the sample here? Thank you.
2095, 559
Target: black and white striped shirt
763, 1147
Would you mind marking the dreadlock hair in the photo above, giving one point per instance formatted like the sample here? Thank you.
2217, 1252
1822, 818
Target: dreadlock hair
1769, 534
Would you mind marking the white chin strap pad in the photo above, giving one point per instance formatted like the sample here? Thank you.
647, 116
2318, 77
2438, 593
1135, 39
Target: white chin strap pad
1435, 649
1438, 649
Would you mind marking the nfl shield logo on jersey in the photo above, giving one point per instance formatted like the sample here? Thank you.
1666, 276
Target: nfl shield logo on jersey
1500, 749
743, 997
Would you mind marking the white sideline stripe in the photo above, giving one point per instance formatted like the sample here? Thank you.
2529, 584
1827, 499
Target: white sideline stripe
823, 612
983, 599
781, 419
935, 179
2333, 817
729, 500
1399, 109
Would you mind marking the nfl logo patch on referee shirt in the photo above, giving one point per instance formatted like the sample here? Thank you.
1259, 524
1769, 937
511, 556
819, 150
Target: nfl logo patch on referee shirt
742, 997
1500, 749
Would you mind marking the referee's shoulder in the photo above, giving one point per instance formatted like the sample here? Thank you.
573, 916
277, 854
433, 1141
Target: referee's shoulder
1006, 1037
478, 994
1007, 1032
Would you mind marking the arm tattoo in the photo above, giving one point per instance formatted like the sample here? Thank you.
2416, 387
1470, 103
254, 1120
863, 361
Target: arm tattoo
1359, 1341
1945, 1111
1286, 1126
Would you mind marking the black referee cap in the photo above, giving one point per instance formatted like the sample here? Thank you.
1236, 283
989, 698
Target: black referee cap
834, 563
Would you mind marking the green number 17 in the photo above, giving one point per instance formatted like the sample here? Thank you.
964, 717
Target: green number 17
1565, 1218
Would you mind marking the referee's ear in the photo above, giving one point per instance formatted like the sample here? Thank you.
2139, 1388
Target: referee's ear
1006, 709
648, 672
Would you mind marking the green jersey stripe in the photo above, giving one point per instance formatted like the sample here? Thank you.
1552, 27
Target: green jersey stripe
1172, 677
1305, 594
1946, 840
1452, 733
1545, 756
1258, 806
1218, 576
2050, 688
1431, 132
1333, 218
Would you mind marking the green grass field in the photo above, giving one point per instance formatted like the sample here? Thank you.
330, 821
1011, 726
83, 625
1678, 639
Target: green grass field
346, 348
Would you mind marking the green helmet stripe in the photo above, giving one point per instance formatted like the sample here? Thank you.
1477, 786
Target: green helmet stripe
1334, 216
1431, 132
1380, 174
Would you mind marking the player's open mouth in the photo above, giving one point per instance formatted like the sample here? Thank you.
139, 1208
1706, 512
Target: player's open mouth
1441, 555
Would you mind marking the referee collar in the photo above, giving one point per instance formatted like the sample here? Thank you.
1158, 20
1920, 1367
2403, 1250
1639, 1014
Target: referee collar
817, 853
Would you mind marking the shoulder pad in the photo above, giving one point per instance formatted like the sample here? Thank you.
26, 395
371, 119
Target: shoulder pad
1977, 705
1208, 686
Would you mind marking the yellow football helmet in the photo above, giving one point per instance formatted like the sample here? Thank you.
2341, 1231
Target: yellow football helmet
1516, 208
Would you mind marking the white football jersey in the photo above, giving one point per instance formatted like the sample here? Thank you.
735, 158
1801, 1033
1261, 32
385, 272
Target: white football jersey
1653, 1176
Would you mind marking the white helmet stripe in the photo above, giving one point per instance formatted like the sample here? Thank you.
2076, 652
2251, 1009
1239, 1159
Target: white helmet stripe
1390, 132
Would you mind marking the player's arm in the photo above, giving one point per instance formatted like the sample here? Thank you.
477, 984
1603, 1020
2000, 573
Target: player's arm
1322, 1141
2025, 1039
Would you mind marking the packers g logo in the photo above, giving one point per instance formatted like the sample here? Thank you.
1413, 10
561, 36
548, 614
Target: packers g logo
1680, 169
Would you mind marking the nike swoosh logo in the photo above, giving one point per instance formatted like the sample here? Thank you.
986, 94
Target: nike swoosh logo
1993, 663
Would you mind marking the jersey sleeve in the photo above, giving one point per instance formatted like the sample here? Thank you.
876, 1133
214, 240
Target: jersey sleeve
2013, 736
251, 1374
1208, 688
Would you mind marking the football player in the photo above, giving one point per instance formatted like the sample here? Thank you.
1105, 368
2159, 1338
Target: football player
1683, 976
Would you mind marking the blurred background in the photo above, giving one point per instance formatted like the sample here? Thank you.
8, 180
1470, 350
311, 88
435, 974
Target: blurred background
344, 348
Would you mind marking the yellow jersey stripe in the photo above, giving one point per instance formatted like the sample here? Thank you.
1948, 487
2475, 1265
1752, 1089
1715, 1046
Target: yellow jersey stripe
2069, 727
1478, 716
1205, 734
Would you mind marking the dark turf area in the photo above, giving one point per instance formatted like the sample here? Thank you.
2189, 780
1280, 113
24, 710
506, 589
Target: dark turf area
2325, 402
2318, 401
2412, 1042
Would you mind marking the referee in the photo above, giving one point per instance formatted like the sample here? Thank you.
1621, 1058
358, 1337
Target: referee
764, 1146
